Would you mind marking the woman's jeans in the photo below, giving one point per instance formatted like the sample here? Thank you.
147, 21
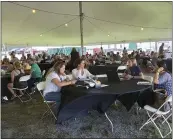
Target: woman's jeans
31, 82
54, 96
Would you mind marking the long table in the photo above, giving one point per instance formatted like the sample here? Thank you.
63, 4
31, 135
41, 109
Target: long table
79, 99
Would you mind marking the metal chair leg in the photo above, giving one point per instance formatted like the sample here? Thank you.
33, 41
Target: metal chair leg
51, 110
167, 118
110, 122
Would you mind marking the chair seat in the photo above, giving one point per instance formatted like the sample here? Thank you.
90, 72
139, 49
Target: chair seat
151, 109
20, 88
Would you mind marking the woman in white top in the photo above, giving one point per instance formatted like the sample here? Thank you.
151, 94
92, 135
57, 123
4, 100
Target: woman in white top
80, 73
54, 81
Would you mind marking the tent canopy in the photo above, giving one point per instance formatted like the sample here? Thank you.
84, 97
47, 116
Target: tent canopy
122, 22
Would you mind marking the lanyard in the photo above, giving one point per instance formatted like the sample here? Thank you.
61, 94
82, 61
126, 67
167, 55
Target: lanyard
60, 78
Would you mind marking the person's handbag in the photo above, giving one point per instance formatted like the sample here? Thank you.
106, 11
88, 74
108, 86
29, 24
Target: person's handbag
160, 97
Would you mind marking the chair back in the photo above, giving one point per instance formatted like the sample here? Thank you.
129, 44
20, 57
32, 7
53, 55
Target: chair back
121, 68
41, 86
43, 72
24, 78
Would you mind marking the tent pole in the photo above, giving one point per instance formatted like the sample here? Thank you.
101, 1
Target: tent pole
81, 24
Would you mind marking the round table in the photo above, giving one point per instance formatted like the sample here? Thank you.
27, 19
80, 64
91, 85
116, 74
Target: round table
78, 99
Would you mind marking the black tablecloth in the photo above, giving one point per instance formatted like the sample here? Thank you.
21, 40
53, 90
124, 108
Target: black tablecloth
78, 99
4, 90
102, 69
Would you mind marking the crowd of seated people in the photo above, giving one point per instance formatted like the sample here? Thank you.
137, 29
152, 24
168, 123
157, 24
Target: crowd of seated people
77, 66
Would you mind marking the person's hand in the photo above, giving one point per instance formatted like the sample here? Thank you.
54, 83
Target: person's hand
73, 81
160, 69
130, 76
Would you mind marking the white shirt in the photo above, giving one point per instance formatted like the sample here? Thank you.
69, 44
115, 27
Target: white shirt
78, 75
50, 86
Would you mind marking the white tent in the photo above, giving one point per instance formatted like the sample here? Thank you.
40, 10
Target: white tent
57, 23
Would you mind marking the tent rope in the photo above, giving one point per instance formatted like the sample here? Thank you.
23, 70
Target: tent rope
126, 24
41, 9
50, 29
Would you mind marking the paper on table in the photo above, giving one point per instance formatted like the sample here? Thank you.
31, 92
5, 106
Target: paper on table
101, 76
104, 85
143, 83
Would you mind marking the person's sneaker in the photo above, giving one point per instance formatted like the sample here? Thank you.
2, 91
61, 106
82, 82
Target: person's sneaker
32, 91
5, 98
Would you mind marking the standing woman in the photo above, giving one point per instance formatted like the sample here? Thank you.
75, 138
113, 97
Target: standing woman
54, 81
74, 57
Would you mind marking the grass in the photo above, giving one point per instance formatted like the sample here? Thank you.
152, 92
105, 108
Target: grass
23, 121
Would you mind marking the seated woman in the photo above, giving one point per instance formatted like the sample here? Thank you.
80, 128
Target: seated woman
54, 82
15, 76
163, 86
27, 68
162, 79
6, 65
133, 71
80, 73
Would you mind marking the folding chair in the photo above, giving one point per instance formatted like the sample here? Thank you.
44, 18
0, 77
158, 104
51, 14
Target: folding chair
157, 114
23, 90
35, 84
43, 73
40, 87
121, 70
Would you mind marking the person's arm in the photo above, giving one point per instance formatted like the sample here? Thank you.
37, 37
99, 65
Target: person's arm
63, 83
141, 76
12, 76
157, 79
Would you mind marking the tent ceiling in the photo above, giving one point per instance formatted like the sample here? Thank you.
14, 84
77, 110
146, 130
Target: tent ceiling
20, 26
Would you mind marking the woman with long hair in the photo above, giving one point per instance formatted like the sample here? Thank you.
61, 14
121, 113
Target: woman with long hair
15, 76
54, 81
80, 72
162, 78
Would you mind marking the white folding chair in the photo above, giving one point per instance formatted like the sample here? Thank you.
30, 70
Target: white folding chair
40, 87
43, 72
121, 69
23, 90
158, 113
